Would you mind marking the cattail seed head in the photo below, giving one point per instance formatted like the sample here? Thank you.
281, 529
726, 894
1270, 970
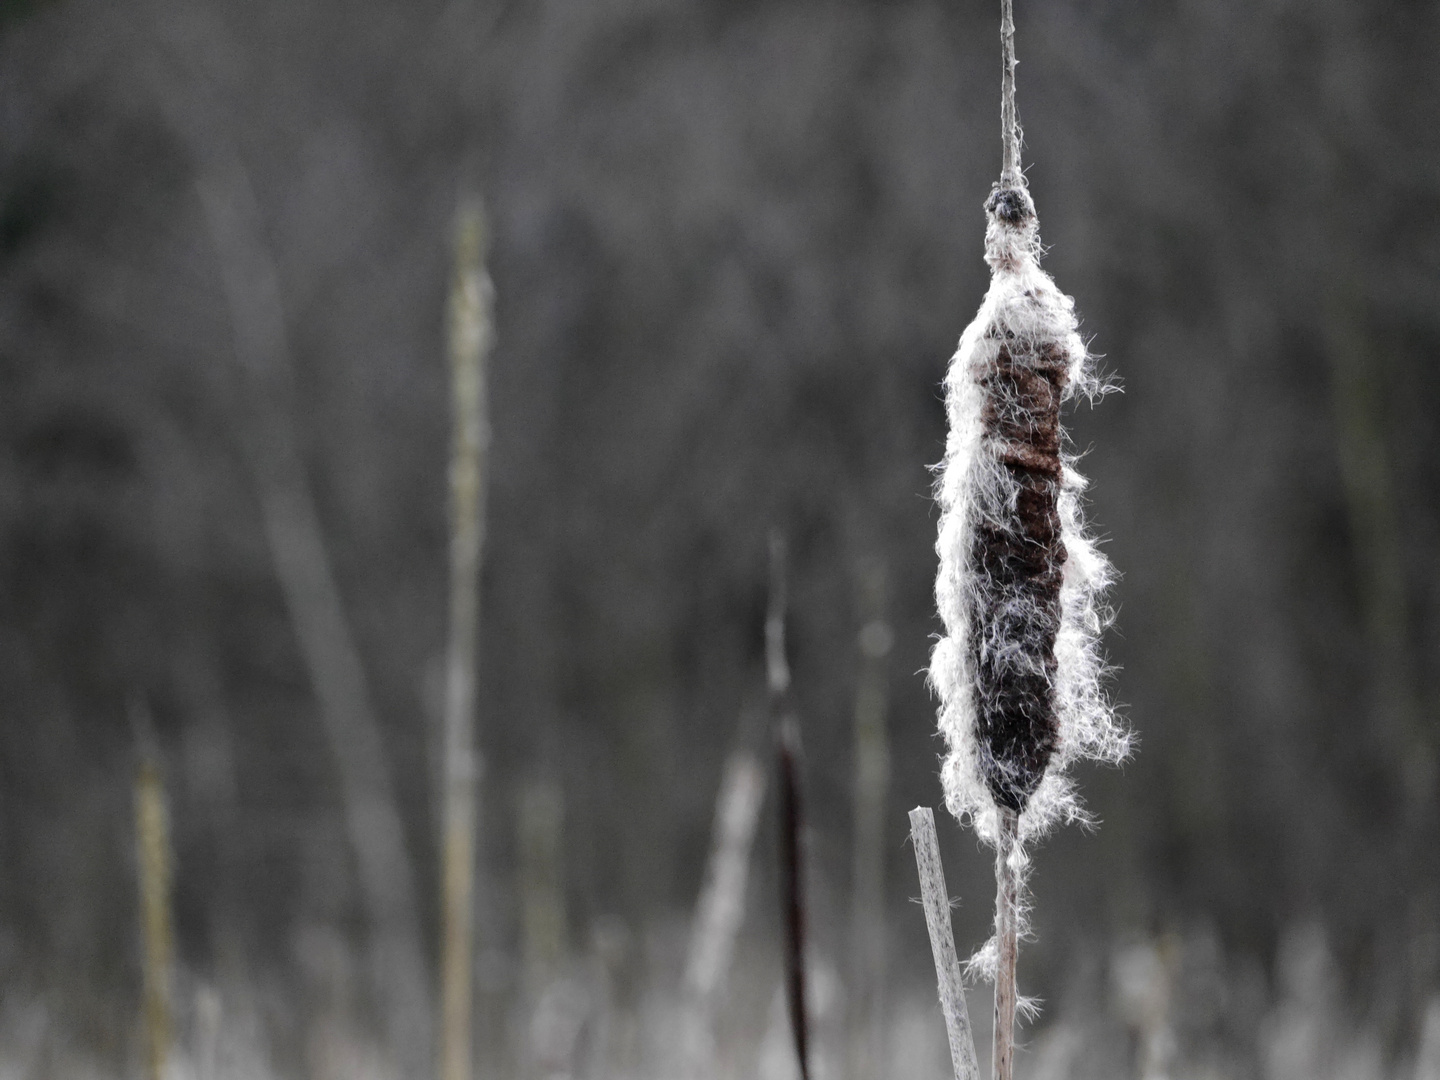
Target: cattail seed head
1020, 586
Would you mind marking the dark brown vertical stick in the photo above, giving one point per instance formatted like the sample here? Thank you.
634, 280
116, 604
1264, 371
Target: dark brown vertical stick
792, 895
787, 743
1007, 895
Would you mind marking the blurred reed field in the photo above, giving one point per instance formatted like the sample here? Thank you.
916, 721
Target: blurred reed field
732, 246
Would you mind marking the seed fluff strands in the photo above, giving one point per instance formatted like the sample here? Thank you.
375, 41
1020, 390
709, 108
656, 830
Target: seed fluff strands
1021, 585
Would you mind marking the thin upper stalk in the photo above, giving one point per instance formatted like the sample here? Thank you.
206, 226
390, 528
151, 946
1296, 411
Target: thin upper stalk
1010, 174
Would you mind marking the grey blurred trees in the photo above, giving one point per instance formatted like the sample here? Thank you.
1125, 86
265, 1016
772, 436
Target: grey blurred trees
733, 247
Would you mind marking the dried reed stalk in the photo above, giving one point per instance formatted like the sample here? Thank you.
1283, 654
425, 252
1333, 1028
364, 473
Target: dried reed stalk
936, 899
1020, 587
152, 841
470, 334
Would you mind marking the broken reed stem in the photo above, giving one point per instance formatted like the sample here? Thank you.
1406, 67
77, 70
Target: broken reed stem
470, 333
152, 837
1010, 173
942, 944
1007, 925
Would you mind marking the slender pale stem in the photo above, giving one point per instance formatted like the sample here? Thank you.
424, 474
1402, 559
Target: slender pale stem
942, 944
469, 340
1007, 925
152, 827
1010, 174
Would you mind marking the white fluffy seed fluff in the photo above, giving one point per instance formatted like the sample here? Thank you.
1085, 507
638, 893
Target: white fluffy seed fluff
1024, 308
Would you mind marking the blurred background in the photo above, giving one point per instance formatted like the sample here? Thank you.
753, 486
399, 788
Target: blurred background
733, 245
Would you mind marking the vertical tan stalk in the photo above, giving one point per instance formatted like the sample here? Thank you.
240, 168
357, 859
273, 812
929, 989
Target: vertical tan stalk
942, 944
871, 788
1007, 927
470, 333
152, 836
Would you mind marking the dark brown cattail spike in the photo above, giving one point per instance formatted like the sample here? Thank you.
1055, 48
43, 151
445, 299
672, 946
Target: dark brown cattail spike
1017, 554
1021, 586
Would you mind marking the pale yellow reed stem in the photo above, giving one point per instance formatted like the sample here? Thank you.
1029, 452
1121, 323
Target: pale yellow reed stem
470, 333
152, 842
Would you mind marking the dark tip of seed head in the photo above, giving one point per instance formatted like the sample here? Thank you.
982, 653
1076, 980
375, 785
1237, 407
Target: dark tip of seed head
1011, 205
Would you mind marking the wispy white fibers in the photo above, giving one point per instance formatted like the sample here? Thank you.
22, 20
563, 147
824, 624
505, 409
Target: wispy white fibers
1024, 323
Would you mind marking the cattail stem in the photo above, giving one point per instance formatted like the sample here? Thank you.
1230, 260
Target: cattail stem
1010, 174
942, 944
469, 341
152, 835
1021, 585
1007, 927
